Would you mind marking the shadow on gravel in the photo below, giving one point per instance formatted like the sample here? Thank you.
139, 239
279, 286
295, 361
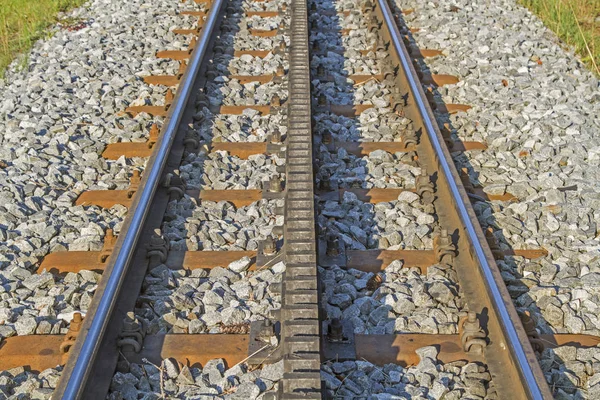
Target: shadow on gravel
345, 223
188, 217
183, 207
511, 267
335, 169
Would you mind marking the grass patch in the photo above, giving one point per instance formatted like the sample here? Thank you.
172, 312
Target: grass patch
22, 22
576, 22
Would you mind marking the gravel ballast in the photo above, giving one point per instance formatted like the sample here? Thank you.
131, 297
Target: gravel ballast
173, 379
78, 85
226, 298
429, 379
406, 299
56, 117
538, 110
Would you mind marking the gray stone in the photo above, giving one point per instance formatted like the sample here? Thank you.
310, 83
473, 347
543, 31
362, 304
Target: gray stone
440, 292
240, 265
185, 376
38, 281
379, 314
213, 370
272, 372
171, 367
196, 326
331, 382
278, 268
245, 391
125, 385
25, 325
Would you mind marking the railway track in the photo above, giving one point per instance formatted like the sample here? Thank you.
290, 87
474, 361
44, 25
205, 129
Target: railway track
343, 222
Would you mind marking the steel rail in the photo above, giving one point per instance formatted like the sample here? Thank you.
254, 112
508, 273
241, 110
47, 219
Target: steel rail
514, 343
152, 175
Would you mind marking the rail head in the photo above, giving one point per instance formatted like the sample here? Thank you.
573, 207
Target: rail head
523, 356
77, 370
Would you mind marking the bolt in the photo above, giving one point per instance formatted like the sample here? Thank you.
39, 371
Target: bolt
130, 323
333, 248
322, 100
325, 183
472, 323
335, 331
320, 70
156, 238
275, 185
275, 101
276, 137
76, 322
270, 246
327, 138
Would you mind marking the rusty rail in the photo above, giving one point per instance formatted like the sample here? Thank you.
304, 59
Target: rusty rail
76, 374
510, 356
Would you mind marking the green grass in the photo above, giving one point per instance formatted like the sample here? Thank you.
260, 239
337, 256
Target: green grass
22, 22
576, 22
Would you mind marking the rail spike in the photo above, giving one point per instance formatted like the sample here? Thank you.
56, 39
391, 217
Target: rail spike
425, 188
71, 335
133, 333
409, 137
444, 249
157, 249
175, 185
534, 337
472, 336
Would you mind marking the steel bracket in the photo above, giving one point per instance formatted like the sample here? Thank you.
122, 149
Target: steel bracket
261, 348
275, 148
263, 259
270, 191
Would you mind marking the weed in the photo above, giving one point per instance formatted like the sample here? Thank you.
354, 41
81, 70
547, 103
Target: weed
576, 22
22, 22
